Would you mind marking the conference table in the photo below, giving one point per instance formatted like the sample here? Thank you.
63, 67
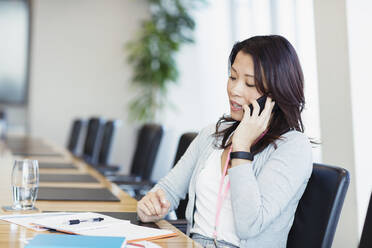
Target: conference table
12, 235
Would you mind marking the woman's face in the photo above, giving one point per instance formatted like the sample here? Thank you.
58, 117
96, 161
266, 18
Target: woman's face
241, 87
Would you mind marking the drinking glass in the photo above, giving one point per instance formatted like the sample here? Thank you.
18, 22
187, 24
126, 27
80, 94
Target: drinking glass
25, 183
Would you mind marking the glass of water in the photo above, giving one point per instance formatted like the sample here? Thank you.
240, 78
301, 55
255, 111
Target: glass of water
25, 183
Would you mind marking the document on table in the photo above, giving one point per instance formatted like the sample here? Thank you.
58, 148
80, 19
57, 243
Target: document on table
108, 227
61, 222
26, 220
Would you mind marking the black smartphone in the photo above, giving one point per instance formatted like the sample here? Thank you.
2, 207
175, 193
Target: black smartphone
261, 102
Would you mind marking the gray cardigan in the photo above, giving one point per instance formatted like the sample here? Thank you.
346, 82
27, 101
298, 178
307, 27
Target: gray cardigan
264, 194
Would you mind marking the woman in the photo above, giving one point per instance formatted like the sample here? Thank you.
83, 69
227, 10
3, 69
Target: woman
246, 176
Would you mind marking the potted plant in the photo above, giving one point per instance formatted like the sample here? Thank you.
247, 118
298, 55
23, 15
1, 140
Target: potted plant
152, 53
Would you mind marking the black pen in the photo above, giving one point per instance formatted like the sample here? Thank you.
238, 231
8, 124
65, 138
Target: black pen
74, 222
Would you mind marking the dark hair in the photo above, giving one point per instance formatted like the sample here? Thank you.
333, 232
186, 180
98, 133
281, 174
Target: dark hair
278, 74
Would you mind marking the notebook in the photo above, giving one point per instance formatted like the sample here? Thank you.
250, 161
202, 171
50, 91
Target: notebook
75, 241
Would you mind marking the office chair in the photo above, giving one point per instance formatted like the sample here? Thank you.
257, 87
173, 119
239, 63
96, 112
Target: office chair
319, 208
143, 161
92, 140
103, 160
139, 189
183, 144
106, 143
366, 239
75, 133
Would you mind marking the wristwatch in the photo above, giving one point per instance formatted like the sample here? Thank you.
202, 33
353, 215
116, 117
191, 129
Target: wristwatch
241, 155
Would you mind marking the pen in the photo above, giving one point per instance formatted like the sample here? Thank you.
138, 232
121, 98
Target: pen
74, 222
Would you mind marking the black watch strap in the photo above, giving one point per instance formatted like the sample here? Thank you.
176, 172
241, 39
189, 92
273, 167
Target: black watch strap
242, 155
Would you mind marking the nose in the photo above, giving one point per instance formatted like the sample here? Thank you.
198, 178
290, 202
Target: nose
237, 88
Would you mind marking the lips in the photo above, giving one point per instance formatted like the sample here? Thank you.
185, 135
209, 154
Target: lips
235, 106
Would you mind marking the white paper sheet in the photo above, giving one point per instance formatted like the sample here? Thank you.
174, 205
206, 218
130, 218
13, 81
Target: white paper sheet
26, 220
60, 223
108, 227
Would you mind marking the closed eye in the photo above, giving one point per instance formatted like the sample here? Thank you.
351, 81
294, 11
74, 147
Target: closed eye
232, 78
250, 85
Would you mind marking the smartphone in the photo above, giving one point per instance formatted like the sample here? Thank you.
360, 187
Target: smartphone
261, 102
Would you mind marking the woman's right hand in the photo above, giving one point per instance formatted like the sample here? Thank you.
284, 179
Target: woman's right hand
153, 206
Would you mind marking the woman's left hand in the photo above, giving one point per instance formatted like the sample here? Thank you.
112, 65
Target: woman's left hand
251, 126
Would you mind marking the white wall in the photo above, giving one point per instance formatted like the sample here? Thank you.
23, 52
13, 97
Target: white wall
78, 66
360, 53
199, 96
79, 70
335, 106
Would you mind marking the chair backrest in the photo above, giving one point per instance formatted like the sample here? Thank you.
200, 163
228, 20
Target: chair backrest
106, 143
92, 140
183, 144
148, 143
75, 132
319, 208
366, 239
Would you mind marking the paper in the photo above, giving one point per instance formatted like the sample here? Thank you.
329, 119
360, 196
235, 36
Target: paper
26, 220
108, 227
60, 223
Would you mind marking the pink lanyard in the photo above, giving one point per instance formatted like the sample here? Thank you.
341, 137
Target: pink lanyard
221, 198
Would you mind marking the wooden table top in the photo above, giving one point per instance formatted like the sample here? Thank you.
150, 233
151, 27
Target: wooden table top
12, 235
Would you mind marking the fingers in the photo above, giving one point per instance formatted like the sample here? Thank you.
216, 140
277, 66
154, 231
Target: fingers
146, 218
141, 206
156, 205
265, 116
267, 109
256, 108
153, 206
268, 116
165, 205
162, 198
247, 111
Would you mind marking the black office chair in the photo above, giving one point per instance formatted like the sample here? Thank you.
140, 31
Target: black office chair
319, 209
366, 239
143, 161
75, 133
183, 144
103, 161
92, 140
139, 189
106, 143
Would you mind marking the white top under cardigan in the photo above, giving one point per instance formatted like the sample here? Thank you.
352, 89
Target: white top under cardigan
206, 191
